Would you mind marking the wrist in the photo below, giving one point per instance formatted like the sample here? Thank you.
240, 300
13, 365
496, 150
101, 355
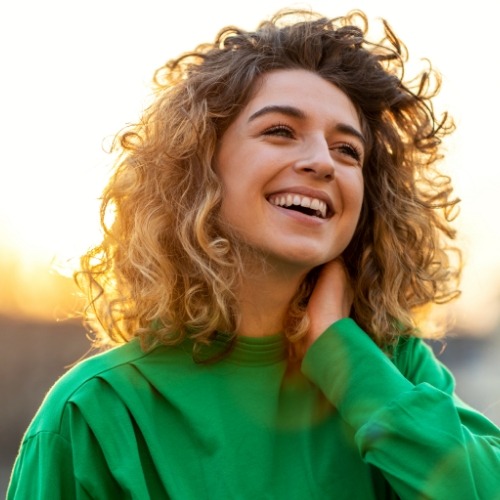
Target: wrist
318, 327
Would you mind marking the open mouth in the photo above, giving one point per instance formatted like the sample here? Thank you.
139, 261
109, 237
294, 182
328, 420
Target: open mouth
307, 205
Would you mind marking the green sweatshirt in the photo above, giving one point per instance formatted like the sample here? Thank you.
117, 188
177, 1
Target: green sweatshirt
350, 423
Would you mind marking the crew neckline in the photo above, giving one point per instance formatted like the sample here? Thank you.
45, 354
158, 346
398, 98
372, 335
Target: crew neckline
249, 350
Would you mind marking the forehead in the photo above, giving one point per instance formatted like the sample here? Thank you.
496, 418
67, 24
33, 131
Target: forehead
304, 89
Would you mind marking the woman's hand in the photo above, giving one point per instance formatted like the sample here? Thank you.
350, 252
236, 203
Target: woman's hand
331, 299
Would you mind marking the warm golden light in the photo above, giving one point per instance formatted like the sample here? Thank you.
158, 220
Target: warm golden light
76, 78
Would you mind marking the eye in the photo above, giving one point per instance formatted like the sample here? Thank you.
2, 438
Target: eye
349, 151
280, 130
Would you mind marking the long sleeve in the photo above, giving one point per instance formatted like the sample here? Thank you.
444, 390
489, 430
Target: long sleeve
407, 420
43, 470
79, 452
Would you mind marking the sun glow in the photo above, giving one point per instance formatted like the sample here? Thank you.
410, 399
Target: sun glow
75, 76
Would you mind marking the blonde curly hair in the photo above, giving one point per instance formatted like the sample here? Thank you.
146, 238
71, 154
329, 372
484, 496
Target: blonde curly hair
167, 267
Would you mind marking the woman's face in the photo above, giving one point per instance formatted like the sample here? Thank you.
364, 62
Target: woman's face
290, 165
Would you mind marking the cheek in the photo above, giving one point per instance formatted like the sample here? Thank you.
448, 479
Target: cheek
361, 193
352, 186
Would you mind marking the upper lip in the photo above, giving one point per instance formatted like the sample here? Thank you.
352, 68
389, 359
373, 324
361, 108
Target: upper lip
311, 193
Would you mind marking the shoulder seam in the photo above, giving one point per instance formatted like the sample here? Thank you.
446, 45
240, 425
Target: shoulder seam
26, 439
66, 400
107, 369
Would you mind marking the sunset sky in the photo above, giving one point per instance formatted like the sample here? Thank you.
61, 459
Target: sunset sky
73, 74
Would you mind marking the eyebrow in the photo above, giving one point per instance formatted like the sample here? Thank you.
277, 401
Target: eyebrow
350, 130
294, 112
276, 108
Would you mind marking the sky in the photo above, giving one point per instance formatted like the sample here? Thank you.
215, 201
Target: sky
75, 73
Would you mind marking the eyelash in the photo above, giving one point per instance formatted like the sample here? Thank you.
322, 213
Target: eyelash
350, 150
344, 148
278, 128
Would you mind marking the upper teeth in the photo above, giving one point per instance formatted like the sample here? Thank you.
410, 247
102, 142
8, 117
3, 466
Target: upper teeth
288, 199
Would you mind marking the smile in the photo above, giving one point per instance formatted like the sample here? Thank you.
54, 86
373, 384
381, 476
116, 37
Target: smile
305, 204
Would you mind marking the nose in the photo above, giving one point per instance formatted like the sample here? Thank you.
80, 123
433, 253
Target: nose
316, 160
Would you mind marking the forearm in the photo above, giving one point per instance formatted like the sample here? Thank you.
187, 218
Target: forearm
413, 432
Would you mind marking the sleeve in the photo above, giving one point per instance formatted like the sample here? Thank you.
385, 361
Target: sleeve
407, 420
84, 448
43, 469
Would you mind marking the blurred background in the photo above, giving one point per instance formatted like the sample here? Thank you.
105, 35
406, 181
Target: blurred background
74, 73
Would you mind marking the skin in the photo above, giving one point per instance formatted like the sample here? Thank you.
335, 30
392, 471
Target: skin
297, 135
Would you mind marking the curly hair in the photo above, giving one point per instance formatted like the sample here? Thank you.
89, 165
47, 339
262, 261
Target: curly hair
167, 267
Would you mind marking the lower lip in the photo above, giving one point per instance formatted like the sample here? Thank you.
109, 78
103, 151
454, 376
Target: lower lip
299, 216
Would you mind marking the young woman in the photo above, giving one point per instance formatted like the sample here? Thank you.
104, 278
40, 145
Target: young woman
279, 227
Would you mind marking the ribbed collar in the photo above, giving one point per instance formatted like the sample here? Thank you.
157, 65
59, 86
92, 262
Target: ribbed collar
248, 350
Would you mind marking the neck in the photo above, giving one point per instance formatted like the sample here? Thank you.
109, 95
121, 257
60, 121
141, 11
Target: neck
264, 297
